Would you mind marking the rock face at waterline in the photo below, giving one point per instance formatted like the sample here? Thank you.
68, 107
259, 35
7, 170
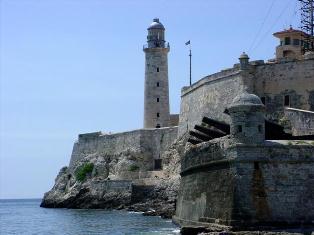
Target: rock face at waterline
118, 180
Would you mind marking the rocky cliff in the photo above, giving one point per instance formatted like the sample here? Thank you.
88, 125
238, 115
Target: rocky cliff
115, 181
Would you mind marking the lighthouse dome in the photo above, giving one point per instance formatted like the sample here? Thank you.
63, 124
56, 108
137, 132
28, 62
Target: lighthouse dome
156, 25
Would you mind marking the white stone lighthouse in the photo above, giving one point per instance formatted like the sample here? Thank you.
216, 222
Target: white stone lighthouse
156, 96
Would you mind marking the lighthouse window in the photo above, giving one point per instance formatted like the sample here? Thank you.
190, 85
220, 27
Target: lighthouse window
158, 165
157, 84
287, 41
157, 99
158, 115
157, 69
287, 100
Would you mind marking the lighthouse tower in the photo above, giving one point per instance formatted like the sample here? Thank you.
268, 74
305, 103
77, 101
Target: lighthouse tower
156, 96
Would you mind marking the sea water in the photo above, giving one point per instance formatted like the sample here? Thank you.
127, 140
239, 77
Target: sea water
26, 217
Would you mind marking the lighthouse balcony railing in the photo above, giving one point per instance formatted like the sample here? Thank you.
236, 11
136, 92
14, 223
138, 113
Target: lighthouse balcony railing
163, 45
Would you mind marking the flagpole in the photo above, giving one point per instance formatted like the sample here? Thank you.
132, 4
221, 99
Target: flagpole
190, 55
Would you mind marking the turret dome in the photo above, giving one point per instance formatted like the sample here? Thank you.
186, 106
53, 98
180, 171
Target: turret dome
244, 56
246, 99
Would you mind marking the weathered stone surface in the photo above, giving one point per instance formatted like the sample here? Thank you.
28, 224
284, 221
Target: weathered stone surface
211, 95
247, 185
205, 98
274, 81
301, 122
111, 185
119, 151
156, 71
92, 193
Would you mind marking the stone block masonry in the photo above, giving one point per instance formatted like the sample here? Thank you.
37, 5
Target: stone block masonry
302, 121
156, 58
148, 143
156, 90
209, 97
289, 84
240, 185
280, 85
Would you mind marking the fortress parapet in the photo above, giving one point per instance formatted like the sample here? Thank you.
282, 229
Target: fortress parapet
146, 144
241, 180
239, 185
91, 135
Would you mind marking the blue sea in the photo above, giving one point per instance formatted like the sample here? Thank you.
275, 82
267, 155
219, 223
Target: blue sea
26, 217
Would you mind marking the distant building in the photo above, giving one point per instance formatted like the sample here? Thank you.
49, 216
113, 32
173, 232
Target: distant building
292, 44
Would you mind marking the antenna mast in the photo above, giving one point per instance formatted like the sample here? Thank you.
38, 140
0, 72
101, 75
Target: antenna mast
307, 23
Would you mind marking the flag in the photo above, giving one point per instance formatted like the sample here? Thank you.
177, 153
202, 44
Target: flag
188, 42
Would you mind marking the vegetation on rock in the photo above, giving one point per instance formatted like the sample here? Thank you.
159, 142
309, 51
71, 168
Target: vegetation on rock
134, 167
82, 171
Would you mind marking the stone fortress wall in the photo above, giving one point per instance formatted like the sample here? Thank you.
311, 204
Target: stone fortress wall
208, 97
151, 143
294, 79
211, 95
302, 121
242, 180
232, 184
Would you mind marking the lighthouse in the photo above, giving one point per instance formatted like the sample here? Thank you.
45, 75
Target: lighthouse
156, 90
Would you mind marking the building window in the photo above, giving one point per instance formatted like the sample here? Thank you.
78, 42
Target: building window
157, 69
256, 166
287, 41
239, 128
158, 115
157, 84
260, 128
158, 126
157, 100
296, 42
306, 45
263, 99
287, 100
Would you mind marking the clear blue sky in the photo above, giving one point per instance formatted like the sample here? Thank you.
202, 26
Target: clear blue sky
76, 66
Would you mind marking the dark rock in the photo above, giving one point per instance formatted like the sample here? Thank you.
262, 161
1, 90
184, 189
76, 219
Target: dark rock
121, 207
192, 230
150, 213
